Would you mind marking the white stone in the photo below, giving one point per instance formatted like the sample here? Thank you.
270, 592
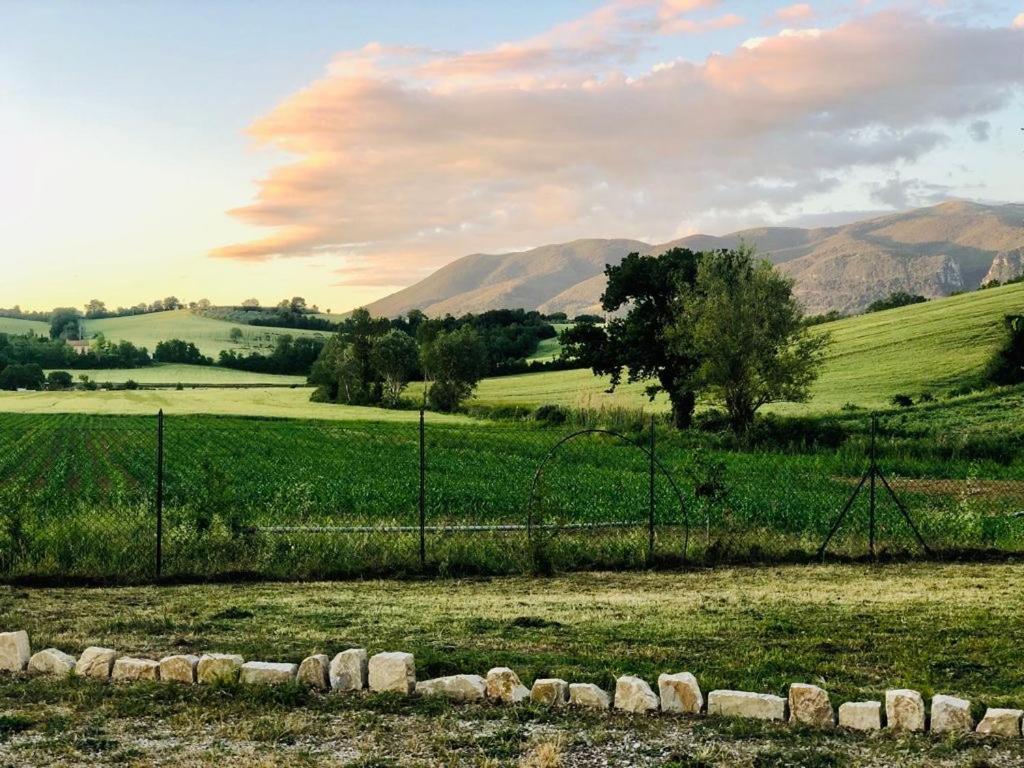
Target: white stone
904, 710
267, 673
128, 668
465, 688
51, 662
180, 668
314, 672
349, 670
634, 695
760, 706
951, 715
15, 651
218, 668
394, 671
96, 662
505, 686
589, 695
1001, 722
809, 705
680, 693
549, 691
861, 715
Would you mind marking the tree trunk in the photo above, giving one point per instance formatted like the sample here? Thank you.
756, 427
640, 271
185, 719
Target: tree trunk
683, 404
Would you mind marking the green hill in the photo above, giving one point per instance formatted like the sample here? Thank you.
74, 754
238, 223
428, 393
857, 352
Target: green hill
21, 327
210, 335
928, 347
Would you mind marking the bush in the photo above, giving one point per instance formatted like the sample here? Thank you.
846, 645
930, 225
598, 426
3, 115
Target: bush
28, 376
1007, 364
551, 414
59, 380
902, 401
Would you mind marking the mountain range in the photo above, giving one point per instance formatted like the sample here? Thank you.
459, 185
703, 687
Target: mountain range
932, 251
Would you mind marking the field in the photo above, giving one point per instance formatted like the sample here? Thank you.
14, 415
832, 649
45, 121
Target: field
927, 347
856, 631
21, 327
170, 374
211, 336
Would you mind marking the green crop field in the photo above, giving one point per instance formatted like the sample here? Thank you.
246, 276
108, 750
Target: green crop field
211, 336
21, 327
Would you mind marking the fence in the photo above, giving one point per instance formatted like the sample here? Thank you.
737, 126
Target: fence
138, 498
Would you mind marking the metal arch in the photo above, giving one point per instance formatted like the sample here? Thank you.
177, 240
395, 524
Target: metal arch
594, 431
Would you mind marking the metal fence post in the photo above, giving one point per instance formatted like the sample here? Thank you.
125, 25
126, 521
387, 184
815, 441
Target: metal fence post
650, 511
874, 473
159, 491
423, 494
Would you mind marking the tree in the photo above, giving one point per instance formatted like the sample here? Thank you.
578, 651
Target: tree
235, 335
27, 376
650, 286
394, 357
172, 302
1007, 364
95, 309
297, 305
742, 324
178, 351
894, 300
453, 363
251, 304
64, 323
204, 304
58, 380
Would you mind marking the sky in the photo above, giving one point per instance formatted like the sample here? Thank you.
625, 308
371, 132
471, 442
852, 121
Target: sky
342, 150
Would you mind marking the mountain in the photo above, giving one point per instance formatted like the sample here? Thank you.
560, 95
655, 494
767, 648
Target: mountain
931, 251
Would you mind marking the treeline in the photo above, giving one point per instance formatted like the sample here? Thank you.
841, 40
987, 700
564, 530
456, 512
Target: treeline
56, 353
290, 356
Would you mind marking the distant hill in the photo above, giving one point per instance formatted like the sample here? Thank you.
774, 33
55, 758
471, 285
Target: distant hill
930, 251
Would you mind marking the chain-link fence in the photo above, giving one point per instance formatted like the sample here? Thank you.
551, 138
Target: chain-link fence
136, 498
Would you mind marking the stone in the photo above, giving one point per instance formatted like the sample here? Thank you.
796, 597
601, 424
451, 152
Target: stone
128, 668
861, 715
951, 715
809, 705
394, 671
96, 662
505, 686
1001, 722
634, 695
51, 662
349, 670
589, 695
759, 706
680, 693
15, 651
180, 668
464, 688
904, 710
314, 672
218, 668
267, 673
550, 691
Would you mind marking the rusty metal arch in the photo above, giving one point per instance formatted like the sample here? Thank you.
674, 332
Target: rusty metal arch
652, 458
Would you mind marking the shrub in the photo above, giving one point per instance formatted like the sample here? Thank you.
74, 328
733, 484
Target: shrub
58, 380
27, 376
551, 414
902, 401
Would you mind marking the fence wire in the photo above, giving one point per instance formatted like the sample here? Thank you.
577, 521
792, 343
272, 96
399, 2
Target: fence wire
137, 498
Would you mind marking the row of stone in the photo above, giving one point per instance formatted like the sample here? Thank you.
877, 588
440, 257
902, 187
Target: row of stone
354, 670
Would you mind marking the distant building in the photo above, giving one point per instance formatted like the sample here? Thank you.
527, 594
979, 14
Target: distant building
81, 346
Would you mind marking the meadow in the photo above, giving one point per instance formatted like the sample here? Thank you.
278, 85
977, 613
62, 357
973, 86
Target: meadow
172, 374
856, 631
17, 327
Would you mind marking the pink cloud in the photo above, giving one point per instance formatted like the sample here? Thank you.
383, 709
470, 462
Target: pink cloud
1018, 23
406, 158
794, 13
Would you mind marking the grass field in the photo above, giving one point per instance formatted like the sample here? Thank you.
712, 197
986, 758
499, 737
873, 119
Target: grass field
177, 373
17, 327
856, 631
211, 336
927, 347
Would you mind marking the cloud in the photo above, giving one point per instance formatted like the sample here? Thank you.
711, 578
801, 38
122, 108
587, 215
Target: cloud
794, 13
979, 130
406, 158
1018, 23
909, 193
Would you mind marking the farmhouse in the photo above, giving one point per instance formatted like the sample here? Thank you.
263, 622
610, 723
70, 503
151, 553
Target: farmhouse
81, 346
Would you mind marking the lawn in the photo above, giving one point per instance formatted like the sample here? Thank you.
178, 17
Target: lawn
854, 630
210, 335
18, 327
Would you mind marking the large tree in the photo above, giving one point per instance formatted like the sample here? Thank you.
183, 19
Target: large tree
635, 344
394, 357
453, 362
746, 330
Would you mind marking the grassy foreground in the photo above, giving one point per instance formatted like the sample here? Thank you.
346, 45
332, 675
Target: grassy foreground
854, 630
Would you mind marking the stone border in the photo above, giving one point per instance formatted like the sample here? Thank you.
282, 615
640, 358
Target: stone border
354, 670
